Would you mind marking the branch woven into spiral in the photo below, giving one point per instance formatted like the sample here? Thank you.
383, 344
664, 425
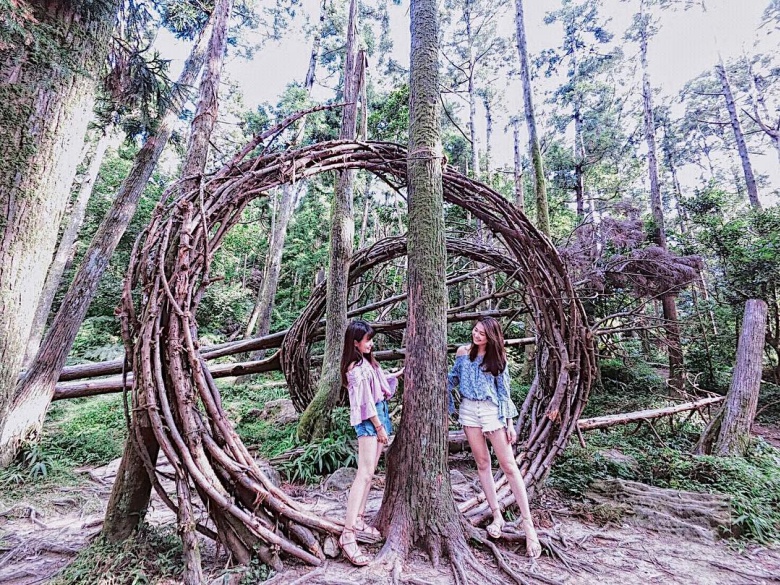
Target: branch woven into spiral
169, 273
296, 348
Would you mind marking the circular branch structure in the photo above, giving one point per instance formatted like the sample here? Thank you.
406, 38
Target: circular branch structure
296, 347
169, 273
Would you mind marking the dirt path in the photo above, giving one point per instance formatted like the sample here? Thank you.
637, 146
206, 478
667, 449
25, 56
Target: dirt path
37, 540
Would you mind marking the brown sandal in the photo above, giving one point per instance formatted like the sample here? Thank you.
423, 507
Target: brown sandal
495, 528
367, 529
533, 548
351, 549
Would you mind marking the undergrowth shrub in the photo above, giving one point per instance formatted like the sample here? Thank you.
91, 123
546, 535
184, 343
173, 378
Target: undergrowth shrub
151, 555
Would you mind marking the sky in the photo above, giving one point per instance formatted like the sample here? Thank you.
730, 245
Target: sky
687, 44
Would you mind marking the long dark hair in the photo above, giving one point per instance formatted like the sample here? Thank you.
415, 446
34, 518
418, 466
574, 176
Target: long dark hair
494, 360
355, 332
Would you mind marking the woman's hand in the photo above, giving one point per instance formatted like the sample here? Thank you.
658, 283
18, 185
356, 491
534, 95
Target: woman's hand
381, 435
511, 433
397, 374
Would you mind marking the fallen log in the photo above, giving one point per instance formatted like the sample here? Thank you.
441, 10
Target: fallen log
66, 391
603, 422
271, 341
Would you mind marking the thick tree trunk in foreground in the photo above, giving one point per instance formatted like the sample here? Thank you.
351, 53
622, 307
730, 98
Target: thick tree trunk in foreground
65, 246
127, 493
34, 392
47, 91
739, 137
315, 421
742, 398
674, 347
417, 507
540, 186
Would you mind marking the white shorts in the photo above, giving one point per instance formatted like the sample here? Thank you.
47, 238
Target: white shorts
481, 414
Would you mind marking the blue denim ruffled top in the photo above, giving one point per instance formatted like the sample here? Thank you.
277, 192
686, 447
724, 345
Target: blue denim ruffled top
474, 383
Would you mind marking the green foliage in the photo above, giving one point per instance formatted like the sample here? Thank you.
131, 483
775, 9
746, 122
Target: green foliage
321, 458
150, 555
626, 385
98, 339
86, 430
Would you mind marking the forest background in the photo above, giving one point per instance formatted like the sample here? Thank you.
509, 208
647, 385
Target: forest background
704, 234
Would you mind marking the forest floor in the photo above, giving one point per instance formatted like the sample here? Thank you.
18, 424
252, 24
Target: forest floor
42, 533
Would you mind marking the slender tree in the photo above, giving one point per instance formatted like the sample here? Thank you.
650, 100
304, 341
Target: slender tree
540, 186
35, 390
52, 52
642, 31
65, 245
316, 419
132, 488
739, 137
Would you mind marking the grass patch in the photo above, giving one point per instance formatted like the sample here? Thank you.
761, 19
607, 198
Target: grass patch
149, 556
86, 431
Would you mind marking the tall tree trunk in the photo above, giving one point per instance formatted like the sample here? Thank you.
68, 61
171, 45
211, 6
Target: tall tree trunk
35, 390
672, 326
131, 498
315, 420
519, 194
260, 320
728, 434
65, 246
472, 91
47, 91
742, 398
739, 137
488, 139
417, 507
273, 265
540, 186
579, 158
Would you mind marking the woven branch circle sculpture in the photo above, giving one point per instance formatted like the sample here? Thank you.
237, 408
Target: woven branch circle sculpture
295, 352
175, 397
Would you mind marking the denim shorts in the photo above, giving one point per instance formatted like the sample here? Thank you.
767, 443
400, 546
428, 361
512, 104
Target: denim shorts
480, 413
366, 428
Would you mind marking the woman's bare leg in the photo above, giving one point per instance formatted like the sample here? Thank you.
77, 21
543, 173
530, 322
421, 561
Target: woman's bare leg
367, 459
506, 459
481, 454
362, 509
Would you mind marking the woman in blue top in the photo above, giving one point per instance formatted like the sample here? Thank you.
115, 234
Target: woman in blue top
486, 411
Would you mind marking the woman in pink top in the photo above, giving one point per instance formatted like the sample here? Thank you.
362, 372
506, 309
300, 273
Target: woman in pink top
369, 389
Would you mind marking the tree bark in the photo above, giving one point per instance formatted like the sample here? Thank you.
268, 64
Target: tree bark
519, 195
540, 186
672, 328
417, 507
65, 246
132, 486
35, 390
488, 138
579, 156
273, 265
740, 407
739, 137
46, 100
316, 420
